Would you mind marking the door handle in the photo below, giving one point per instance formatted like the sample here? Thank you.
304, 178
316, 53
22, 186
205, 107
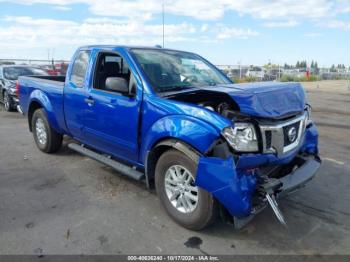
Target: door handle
90, 101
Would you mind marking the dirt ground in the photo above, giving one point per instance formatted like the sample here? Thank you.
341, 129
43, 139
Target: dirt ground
69, 204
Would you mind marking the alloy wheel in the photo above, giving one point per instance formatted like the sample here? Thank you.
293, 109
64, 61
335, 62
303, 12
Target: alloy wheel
180, 189
41, 133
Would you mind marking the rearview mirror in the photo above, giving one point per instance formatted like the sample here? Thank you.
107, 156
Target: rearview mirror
117, 84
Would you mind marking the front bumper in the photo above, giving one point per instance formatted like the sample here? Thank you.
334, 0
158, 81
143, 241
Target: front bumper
234, 183
300, 176
15, 103
15, 100
285, 185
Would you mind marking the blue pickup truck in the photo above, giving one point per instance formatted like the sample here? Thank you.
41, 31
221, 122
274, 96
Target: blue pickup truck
171, 119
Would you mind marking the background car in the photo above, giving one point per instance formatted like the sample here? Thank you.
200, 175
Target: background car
8, 77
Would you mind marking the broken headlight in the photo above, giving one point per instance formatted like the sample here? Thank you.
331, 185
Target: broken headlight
242, 137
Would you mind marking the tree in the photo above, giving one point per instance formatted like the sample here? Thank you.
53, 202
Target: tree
333, 69
317, 70
286, 66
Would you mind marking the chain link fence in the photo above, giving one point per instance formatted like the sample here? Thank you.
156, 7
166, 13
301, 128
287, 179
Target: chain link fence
53, 67
239, 73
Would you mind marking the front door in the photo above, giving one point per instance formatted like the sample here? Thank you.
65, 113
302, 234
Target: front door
111, 120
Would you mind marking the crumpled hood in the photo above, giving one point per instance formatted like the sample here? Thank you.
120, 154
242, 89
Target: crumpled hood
266, 99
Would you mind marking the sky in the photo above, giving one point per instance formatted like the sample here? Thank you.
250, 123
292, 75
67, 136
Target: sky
223, 31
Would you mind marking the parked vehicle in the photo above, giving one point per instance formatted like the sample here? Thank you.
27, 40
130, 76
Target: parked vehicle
256, 72
173, 120
50, 70
8, 77
4, 62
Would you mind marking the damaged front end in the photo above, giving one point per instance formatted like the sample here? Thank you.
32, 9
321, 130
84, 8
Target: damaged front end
246, 183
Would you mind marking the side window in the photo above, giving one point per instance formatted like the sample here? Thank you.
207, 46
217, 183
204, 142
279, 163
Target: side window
79, 68
110, 65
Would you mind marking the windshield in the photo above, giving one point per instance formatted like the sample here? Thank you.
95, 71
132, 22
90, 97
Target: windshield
12, 73
174, 70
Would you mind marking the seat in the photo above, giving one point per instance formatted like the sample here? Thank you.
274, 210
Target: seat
110, 69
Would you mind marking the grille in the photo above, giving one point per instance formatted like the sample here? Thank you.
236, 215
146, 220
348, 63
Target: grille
268, 137
275, 136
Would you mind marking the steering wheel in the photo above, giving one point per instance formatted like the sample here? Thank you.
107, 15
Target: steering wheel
190, 79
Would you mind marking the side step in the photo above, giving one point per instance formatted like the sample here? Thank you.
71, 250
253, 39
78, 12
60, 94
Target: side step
123, 169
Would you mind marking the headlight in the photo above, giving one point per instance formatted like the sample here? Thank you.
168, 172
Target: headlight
308, 110
241, 137
12, 90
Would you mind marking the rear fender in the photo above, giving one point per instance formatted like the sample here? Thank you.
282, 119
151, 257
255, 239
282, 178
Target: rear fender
42, 99
231, 187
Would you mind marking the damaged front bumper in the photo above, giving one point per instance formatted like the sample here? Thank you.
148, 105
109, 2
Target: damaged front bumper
238, 185
277, 188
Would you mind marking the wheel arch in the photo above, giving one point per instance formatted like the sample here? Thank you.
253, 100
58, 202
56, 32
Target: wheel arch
160, 148
38, 99
34, 105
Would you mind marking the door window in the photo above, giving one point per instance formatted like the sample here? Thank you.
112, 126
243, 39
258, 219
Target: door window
79, 69
111, 65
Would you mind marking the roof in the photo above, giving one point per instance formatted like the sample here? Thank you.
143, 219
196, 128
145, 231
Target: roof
128, 47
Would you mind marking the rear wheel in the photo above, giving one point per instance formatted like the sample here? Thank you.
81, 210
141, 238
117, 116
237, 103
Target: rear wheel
46, 138
189, 205
7, 102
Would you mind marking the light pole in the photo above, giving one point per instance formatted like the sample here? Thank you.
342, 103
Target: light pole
163, 18
240, 69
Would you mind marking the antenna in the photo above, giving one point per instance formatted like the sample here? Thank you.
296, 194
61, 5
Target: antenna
163, 18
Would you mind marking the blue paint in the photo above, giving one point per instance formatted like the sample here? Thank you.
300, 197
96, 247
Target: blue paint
129, 127
310, 145
231, 187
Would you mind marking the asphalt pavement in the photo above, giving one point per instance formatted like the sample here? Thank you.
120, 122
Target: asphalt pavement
68, 204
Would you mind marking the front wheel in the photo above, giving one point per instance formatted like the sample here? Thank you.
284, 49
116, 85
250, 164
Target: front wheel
7, 102
46, 138
189, 205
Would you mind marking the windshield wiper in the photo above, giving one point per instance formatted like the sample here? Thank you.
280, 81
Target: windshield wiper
174, 88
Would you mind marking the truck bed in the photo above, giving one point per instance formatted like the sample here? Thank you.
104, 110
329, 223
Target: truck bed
60, 79
50, 87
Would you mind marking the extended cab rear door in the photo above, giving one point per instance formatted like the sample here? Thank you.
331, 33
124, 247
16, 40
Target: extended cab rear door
75, 93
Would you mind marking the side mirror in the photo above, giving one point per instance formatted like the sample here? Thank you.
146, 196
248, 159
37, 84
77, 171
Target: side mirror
117, 84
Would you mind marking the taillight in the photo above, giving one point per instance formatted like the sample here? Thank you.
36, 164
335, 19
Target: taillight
17, 88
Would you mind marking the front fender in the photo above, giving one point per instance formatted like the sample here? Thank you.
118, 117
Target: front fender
196, 133
41, 98
310, 145
232, 187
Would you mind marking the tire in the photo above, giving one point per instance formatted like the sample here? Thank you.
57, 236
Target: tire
199, 214
46, 138
7, 102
